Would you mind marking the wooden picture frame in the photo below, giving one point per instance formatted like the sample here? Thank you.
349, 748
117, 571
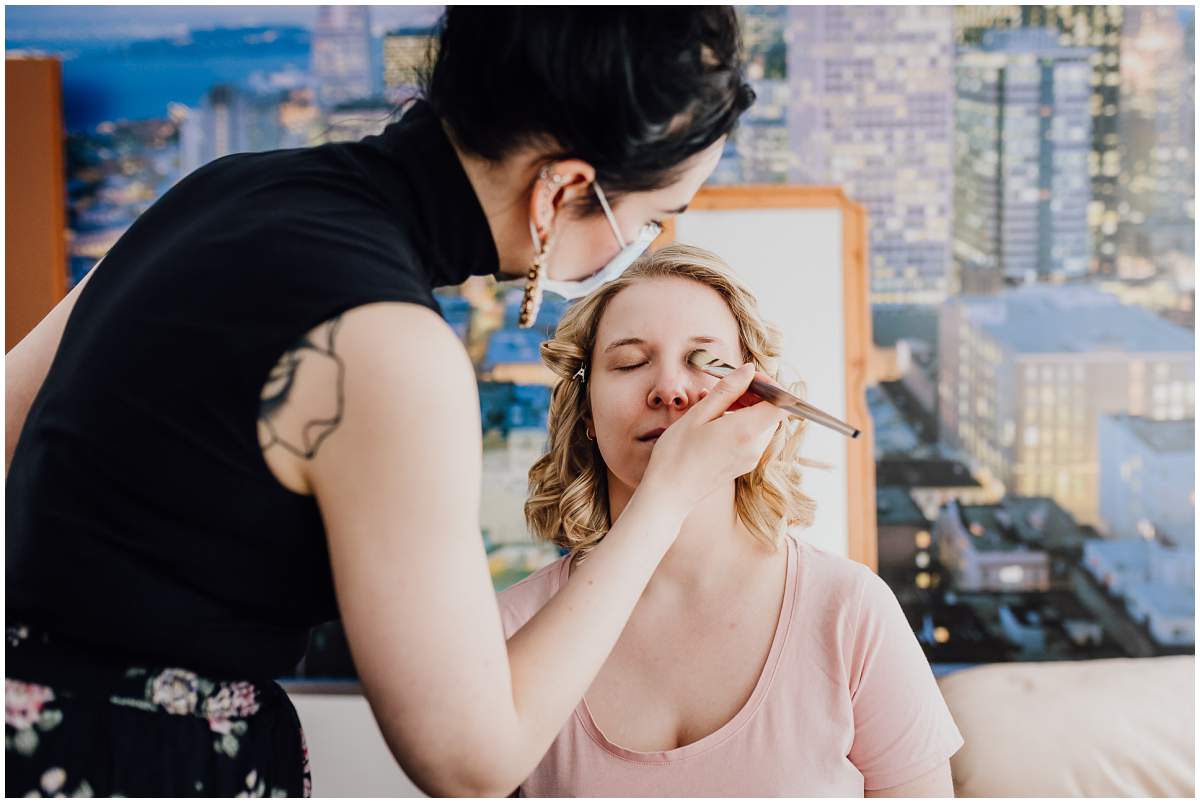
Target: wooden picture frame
817, 208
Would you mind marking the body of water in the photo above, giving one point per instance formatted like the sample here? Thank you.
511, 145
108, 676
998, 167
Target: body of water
137, 80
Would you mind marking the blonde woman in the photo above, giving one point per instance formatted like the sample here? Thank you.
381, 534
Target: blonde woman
754, 664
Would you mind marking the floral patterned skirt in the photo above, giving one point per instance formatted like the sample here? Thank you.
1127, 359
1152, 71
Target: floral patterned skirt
80, 730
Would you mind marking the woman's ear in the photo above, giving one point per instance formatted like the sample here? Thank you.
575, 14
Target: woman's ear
556, 186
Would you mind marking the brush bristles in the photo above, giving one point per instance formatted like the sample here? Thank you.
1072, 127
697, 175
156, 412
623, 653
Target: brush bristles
703, 359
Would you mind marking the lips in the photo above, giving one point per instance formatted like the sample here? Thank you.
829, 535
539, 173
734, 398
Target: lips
652, 434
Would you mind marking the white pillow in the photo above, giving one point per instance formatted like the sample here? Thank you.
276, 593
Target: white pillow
1122, 727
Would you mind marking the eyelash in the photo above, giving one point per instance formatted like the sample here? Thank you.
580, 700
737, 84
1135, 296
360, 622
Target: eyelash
629, 367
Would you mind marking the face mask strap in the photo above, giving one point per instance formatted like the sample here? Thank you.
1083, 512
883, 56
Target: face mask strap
612, 219
628, 253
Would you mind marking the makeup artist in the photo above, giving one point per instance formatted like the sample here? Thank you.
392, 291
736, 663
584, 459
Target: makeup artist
251, 419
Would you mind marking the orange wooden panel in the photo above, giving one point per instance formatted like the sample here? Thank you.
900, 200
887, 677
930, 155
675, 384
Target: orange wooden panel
35, 248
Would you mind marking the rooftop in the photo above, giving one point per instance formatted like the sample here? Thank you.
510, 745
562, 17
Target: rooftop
1161, 436
1169, 601
893, 434
1131, 554
1030, 522
891, 323
894, 506
987, 534
1045, 319
418, 31
924, 474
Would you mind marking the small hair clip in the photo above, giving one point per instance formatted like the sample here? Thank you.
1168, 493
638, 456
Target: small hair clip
581, 375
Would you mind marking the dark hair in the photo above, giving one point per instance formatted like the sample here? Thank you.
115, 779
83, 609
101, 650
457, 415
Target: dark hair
633, 91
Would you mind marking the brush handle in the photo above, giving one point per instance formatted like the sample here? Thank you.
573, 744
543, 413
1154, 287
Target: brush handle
763, 388
750, 398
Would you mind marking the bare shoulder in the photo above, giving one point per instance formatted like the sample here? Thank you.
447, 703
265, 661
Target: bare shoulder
339, 366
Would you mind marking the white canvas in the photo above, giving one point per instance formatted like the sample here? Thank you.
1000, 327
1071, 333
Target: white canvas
792, 260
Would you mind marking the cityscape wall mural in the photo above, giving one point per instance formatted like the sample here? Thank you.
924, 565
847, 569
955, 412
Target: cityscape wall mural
1028, 174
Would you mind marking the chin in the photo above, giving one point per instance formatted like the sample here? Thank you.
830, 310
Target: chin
630, 475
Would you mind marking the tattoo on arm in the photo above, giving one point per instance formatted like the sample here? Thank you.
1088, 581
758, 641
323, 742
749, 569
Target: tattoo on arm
312, 364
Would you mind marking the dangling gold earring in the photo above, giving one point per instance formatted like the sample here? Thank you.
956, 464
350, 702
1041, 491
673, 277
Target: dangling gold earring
532, 302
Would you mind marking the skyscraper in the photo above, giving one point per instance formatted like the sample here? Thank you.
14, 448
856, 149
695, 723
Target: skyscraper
1027, 373
229, 120
1097, 27
1023, 137
970, 22
871, 110
405, 53
1157, 123
759, 151
341, 54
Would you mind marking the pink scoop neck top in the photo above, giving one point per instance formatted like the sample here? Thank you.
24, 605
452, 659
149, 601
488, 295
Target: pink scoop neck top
846, 702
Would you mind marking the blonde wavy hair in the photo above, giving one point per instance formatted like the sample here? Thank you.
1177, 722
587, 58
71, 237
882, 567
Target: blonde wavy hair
568, 486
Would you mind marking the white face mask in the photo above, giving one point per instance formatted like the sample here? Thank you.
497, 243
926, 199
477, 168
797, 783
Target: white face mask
629, 252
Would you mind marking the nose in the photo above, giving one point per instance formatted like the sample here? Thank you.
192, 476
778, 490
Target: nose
672, 390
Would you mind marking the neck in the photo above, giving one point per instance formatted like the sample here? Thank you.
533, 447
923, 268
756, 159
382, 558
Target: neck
500, 188
711, 536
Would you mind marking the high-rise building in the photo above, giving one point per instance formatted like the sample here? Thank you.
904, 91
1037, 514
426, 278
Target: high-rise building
406, 51
1023, 138
871, 110
229, 120
970, 22
341, 54
759, 152
764, 44
1026, 374
1099, 28
299, 117
1157, 128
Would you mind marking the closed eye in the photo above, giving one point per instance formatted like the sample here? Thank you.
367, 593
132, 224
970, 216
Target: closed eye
630, 367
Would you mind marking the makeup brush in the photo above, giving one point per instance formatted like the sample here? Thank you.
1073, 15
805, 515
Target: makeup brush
763, 389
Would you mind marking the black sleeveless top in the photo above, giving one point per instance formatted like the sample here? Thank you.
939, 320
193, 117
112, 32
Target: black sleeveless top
142, 520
